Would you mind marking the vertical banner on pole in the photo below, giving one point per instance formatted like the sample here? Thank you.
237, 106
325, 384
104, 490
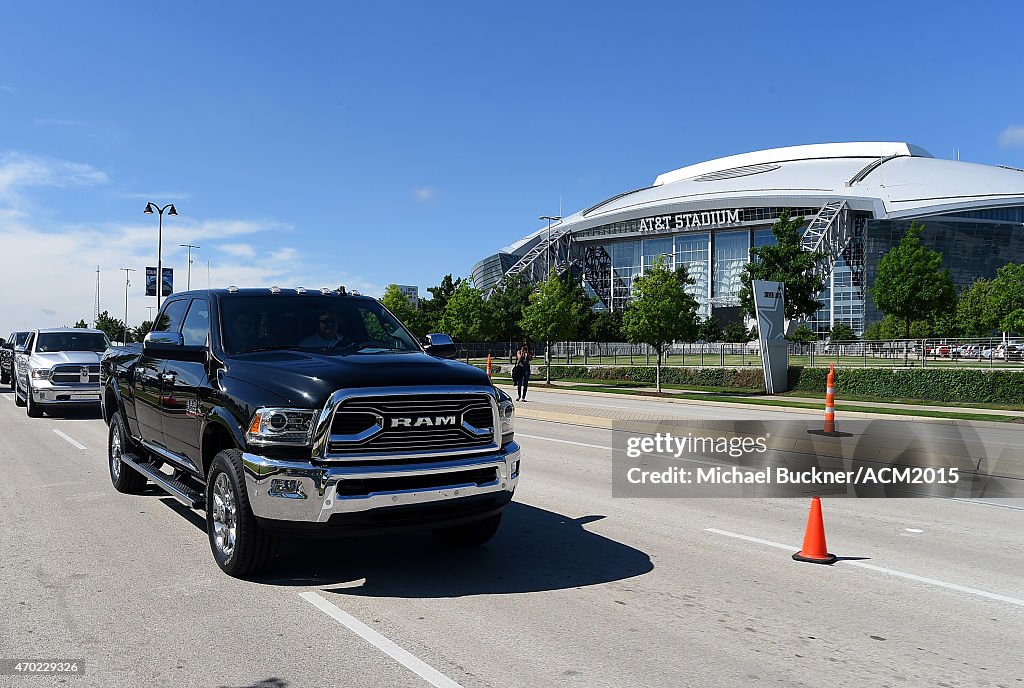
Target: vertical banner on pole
151, 281
770, 307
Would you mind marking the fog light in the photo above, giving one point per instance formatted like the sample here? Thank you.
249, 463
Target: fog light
289, 489
515, 468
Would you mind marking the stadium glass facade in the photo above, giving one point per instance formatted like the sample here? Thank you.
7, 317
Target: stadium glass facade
708, 216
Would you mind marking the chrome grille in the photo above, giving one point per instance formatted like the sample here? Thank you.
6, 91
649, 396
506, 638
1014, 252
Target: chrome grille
71, 374
387, 426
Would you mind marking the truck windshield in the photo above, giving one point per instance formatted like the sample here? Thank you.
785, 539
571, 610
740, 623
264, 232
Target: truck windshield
327, 323
71, 341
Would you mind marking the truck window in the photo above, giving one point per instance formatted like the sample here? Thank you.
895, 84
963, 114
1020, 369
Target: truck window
196, 328
171, 317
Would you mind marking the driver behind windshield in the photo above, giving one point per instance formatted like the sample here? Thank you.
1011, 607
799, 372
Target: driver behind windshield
326, 333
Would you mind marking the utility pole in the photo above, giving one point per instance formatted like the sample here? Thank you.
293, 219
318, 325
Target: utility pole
96, 305
188, 280
127, 283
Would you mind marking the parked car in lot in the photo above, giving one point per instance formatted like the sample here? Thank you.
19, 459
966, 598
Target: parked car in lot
279, 410
14, 344
59, 368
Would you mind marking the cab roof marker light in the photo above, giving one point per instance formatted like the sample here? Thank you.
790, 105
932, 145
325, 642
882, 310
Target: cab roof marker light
325, 290
300, 290
232, 289
275, 289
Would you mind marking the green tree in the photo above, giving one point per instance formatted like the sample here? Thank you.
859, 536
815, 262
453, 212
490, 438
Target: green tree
605, 326
81, 323
465, 316
785, 262
1006, 297
139, 333
433, 308
803, 334
403, 309
661, 311
709, 330
505, 307
974, 311
841, 332
735, 333
112, 327
555, 313
911, 283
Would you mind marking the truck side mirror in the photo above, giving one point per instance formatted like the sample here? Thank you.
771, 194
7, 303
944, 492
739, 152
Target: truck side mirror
440, 345
162, 341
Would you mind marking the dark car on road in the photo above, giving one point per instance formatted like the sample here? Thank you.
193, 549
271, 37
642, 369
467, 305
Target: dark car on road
14, 344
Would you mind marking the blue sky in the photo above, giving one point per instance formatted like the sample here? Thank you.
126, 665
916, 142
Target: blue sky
326, 143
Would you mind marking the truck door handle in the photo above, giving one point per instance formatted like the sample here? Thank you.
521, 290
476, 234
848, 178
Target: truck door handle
168, 377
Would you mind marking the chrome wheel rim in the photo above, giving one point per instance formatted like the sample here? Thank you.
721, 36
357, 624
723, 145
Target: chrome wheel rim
225, 515
115, 454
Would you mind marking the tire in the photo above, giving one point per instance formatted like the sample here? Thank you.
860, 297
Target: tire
472, 534
123, 477
18, 401
32, 409
240, 546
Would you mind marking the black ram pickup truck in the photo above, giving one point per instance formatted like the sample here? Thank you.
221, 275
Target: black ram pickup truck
288, 412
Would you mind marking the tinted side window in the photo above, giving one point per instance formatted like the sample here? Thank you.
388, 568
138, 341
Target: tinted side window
197, 324
171, 317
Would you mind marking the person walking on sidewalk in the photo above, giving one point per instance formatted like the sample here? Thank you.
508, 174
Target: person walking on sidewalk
521, 371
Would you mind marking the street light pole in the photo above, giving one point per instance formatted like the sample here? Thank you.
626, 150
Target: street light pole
188, 280
150, 309
127, 283
150, 207
550, 219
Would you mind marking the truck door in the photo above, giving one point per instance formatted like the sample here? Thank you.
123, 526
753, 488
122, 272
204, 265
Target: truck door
147, 376
186, 384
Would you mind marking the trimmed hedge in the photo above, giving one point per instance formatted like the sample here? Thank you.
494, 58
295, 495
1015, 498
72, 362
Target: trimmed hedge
740, 378
963, 385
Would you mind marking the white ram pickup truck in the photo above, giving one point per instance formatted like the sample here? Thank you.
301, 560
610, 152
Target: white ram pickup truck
59, 368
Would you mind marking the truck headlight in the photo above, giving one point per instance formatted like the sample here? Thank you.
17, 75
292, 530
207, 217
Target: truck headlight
281, 426
506, 413
41, 374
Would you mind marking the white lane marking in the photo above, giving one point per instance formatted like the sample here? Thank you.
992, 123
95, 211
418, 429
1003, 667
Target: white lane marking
881, 569
913, 530
69, 439
409, 661
599, 446
552, 439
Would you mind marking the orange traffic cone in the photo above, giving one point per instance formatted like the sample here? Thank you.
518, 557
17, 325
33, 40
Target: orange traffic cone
488, 365
830, 401
815, 550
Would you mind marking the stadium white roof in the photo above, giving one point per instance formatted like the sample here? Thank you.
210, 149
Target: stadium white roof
891, 179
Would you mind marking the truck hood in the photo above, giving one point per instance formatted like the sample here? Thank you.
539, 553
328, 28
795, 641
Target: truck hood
53, 358
308, 379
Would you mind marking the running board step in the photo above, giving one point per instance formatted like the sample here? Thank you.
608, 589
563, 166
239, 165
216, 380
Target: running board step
177, 489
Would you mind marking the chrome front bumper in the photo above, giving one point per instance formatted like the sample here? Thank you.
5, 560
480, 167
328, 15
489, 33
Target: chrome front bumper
302, 492
45, 392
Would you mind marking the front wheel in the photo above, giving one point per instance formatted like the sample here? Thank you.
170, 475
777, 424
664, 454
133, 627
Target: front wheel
123, 477
470, 534
32, 409
239, 545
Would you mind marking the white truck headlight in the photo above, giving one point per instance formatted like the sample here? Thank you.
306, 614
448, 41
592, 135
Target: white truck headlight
281, 426
506, 414
41, 374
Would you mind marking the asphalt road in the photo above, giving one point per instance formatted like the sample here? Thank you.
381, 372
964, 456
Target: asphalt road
577, 589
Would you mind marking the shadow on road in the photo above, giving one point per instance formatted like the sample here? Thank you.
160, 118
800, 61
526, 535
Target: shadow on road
534, 550
265, 683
